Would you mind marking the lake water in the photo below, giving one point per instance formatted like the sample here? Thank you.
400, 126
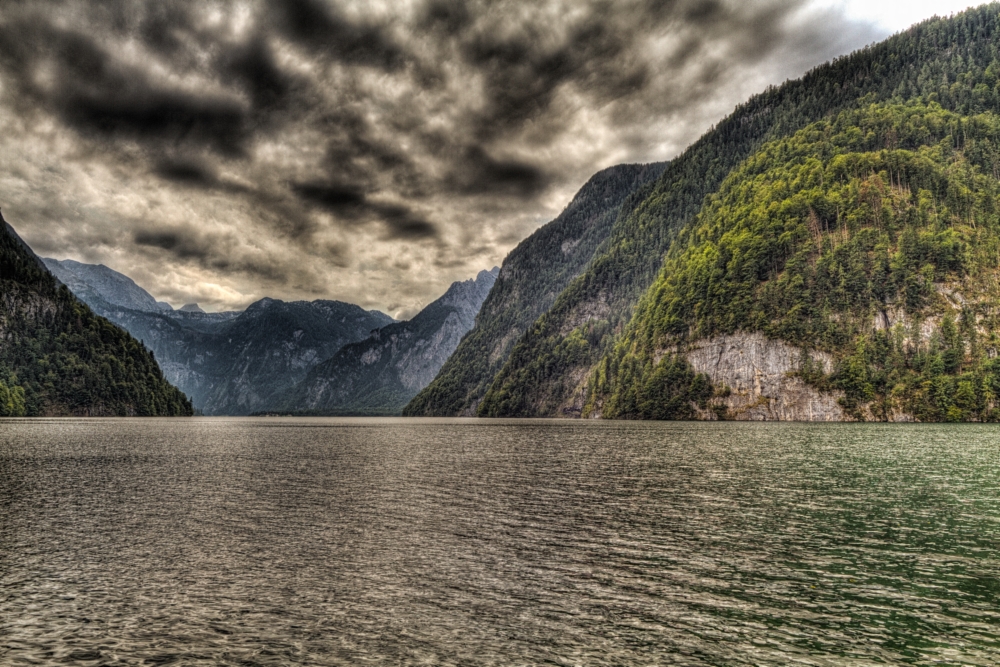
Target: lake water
464, 542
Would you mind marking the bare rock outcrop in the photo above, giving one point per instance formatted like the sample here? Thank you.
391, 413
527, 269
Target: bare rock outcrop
759, 373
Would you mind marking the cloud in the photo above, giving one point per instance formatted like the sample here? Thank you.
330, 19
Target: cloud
371, 152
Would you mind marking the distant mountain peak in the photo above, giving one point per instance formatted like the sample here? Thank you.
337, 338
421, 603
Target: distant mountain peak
380, 374
89, 281
191, 308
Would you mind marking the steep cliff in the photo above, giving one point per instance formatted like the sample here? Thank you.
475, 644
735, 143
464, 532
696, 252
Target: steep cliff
533, 274
58, 358
759, 379
381, 374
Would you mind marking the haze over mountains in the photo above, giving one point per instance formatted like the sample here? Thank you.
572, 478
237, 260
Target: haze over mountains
237, 363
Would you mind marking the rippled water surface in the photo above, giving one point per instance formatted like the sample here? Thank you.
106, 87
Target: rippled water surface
340, 541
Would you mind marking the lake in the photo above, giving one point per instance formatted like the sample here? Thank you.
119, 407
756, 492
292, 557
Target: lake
467, 542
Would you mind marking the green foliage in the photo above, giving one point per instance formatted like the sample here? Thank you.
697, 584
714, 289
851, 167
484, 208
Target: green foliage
816, 239
12, 399
954, 62
59, 358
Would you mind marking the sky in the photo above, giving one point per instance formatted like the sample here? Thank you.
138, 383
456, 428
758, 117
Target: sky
370, 152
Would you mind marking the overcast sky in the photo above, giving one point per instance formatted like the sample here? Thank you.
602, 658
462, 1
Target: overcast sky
371, 152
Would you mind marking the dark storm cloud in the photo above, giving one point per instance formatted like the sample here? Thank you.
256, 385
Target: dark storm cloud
400, 221
334, 198
182, 244
253, 65
187, 171
217, 252
322, 27
264, 144
476, 172
94, 92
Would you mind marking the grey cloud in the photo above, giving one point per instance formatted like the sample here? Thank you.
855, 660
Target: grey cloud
476, 172
94, 92
334, 198
188, 171
213, 251
400, 221
300, 140
322, 27
182, 244
254, 66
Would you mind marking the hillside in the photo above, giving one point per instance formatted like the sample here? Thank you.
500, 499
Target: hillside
533, 274
867, 247
951, 62
58, 358
379, 375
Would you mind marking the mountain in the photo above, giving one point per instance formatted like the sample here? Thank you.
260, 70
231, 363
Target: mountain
262, 354
852, 265
90, 281
569, 360
229, 362
58, 358
531, 278
381, 374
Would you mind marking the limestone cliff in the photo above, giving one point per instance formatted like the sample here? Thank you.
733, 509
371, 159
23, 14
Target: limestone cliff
759, 382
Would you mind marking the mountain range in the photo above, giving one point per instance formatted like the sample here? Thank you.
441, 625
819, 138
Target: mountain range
282, 356
828, 251
382, 373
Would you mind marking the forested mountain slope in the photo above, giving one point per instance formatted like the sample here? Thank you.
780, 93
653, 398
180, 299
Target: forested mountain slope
533, 274
379, 375
58, 358
869, 244
952, 62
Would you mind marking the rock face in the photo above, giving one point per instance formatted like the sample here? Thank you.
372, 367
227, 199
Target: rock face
758, 373
230, 363
379, 375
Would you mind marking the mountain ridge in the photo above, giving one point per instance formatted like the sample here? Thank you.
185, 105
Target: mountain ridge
381, 374
550, 370
530, 279
57, 357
